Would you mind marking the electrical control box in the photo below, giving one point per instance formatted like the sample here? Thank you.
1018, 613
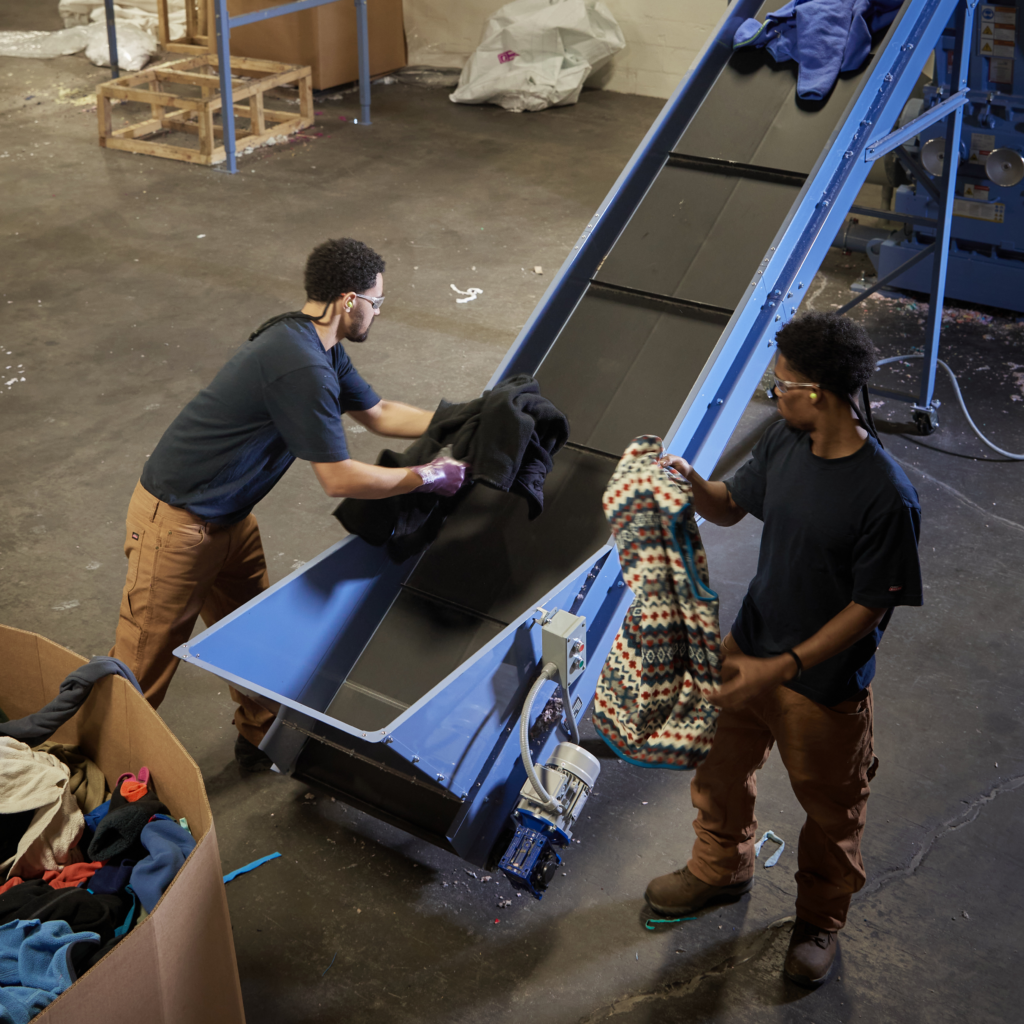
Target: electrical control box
564, 642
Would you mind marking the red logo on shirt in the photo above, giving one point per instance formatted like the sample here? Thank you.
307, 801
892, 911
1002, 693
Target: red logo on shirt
135, 536
891, 589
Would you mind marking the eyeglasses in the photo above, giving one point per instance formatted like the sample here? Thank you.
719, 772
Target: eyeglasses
375, 302
782, 386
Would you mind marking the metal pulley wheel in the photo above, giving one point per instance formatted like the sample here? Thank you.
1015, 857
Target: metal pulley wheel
1004, 167
933, 155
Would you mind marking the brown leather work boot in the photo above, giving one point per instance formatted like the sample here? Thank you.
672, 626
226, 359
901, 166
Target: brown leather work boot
682, 893
811, 956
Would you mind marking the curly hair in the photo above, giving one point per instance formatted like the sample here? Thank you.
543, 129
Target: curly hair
340, 265
830, 350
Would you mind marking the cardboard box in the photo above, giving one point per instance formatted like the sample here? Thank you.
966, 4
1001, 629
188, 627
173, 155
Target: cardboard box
178, 966
324, 38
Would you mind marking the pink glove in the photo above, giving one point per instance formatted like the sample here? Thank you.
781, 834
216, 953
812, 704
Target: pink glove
443, 475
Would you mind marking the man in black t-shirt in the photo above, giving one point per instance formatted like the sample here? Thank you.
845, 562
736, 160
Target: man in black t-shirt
192, 543
838, 554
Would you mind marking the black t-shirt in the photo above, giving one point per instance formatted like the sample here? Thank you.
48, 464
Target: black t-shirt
835, 531
279, 398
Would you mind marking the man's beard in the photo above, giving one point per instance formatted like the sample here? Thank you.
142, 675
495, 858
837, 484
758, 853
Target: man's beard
357, 338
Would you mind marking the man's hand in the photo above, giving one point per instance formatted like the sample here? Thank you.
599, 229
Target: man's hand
443, 475
744, 678
710, 500
676, 465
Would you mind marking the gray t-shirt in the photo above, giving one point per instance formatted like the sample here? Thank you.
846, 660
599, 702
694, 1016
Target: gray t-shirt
279, 398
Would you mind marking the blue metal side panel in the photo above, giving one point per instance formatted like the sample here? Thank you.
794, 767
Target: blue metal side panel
296, 643
972, 277
502, 775
453, 730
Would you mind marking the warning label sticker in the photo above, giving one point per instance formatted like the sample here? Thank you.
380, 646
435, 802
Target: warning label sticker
997, 34
1000, 71
993, 212
981, 146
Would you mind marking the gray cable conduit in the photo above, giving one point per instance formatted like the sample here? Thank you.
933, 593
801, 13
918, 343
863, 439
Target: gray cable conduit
574, 729
547, 672
959, 398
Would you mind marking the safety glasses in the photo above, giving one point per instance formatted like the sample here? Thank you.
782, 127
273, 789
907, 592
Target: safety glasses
782, 386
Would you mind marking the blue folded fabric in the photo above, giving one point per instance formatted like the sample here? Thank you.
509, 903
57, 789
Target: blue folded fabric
824, 37
167, 844
111, 879
93, 818
35, 966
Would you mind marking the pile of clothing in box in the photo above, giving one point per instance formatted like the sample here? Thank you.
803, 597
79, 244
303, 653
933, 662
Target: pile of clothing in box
81, 861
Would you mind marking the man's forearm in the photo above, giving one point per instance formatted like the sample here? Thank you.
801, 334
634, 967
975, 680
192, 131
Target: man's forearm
396, 419
744, 677
713, 501
352, 479
844, 630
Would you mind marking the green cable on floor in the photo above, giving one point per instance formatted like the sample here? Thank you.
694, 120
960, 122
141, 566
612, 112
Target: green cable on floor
652, 921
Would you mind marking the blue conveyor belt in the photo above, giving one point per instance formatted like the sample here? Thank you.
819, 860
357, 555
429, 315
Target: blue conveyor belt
402, 685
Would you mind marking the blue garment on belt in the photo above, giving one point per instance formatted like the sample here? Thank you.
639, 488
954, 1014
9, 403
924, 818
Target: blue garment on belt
823, 36
35, 966
168, 845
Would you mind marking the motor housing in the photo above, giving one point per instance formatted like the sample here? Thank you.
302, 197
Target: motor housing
532, 858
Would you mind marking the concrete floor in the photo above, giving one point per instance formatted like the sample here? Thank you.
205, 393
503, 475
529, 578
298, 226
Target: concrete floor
139, 276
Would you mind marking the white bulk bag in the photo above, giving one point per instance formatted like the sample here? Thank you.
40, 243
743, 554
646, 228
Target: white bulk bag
538, 53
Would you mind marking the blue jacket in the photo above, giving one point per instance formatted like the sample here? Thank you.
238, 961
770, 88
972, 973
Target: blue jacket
823, 36
168, 845
35, 966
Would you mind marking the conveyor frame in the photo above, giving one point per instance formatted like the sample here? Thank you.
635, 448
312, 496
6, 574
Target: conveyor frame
443, 763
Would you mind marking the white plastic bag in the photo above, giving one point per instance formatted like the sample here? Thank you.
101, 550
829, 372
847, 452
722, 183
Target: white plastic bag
43, 45
142, 13
134, 45
538, 53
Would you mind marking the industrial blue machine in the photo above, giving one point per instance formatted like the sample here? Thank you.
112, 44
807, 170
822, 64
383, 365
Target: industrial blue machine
986, 262
409, 690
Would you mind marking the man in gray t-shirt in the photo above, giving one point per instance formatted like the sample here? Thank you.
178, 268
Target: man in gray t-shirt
192, 543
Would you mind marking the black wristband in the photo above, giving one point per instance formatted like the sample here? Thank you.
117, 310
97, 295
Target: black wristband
799, 663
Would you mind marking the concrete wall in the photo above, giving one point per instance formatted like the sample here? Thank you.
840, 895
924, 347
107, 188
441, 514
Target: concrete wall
662, 38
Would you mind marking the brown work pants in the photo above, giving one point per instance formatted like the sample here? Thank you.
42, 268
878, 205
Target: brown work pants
829, 755
180, 567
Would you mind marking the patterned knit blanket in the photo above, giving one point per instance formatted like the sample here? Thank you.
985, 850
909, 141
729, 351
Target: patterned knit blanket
649, 706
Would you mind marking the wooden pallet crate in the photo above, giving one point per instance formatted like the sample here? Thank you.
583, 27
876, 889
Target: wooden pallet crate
183, 96
199, 34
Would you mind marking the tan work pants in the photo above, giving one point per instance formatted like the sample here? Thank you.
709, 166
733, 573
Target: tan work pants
829, 755
179, 568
